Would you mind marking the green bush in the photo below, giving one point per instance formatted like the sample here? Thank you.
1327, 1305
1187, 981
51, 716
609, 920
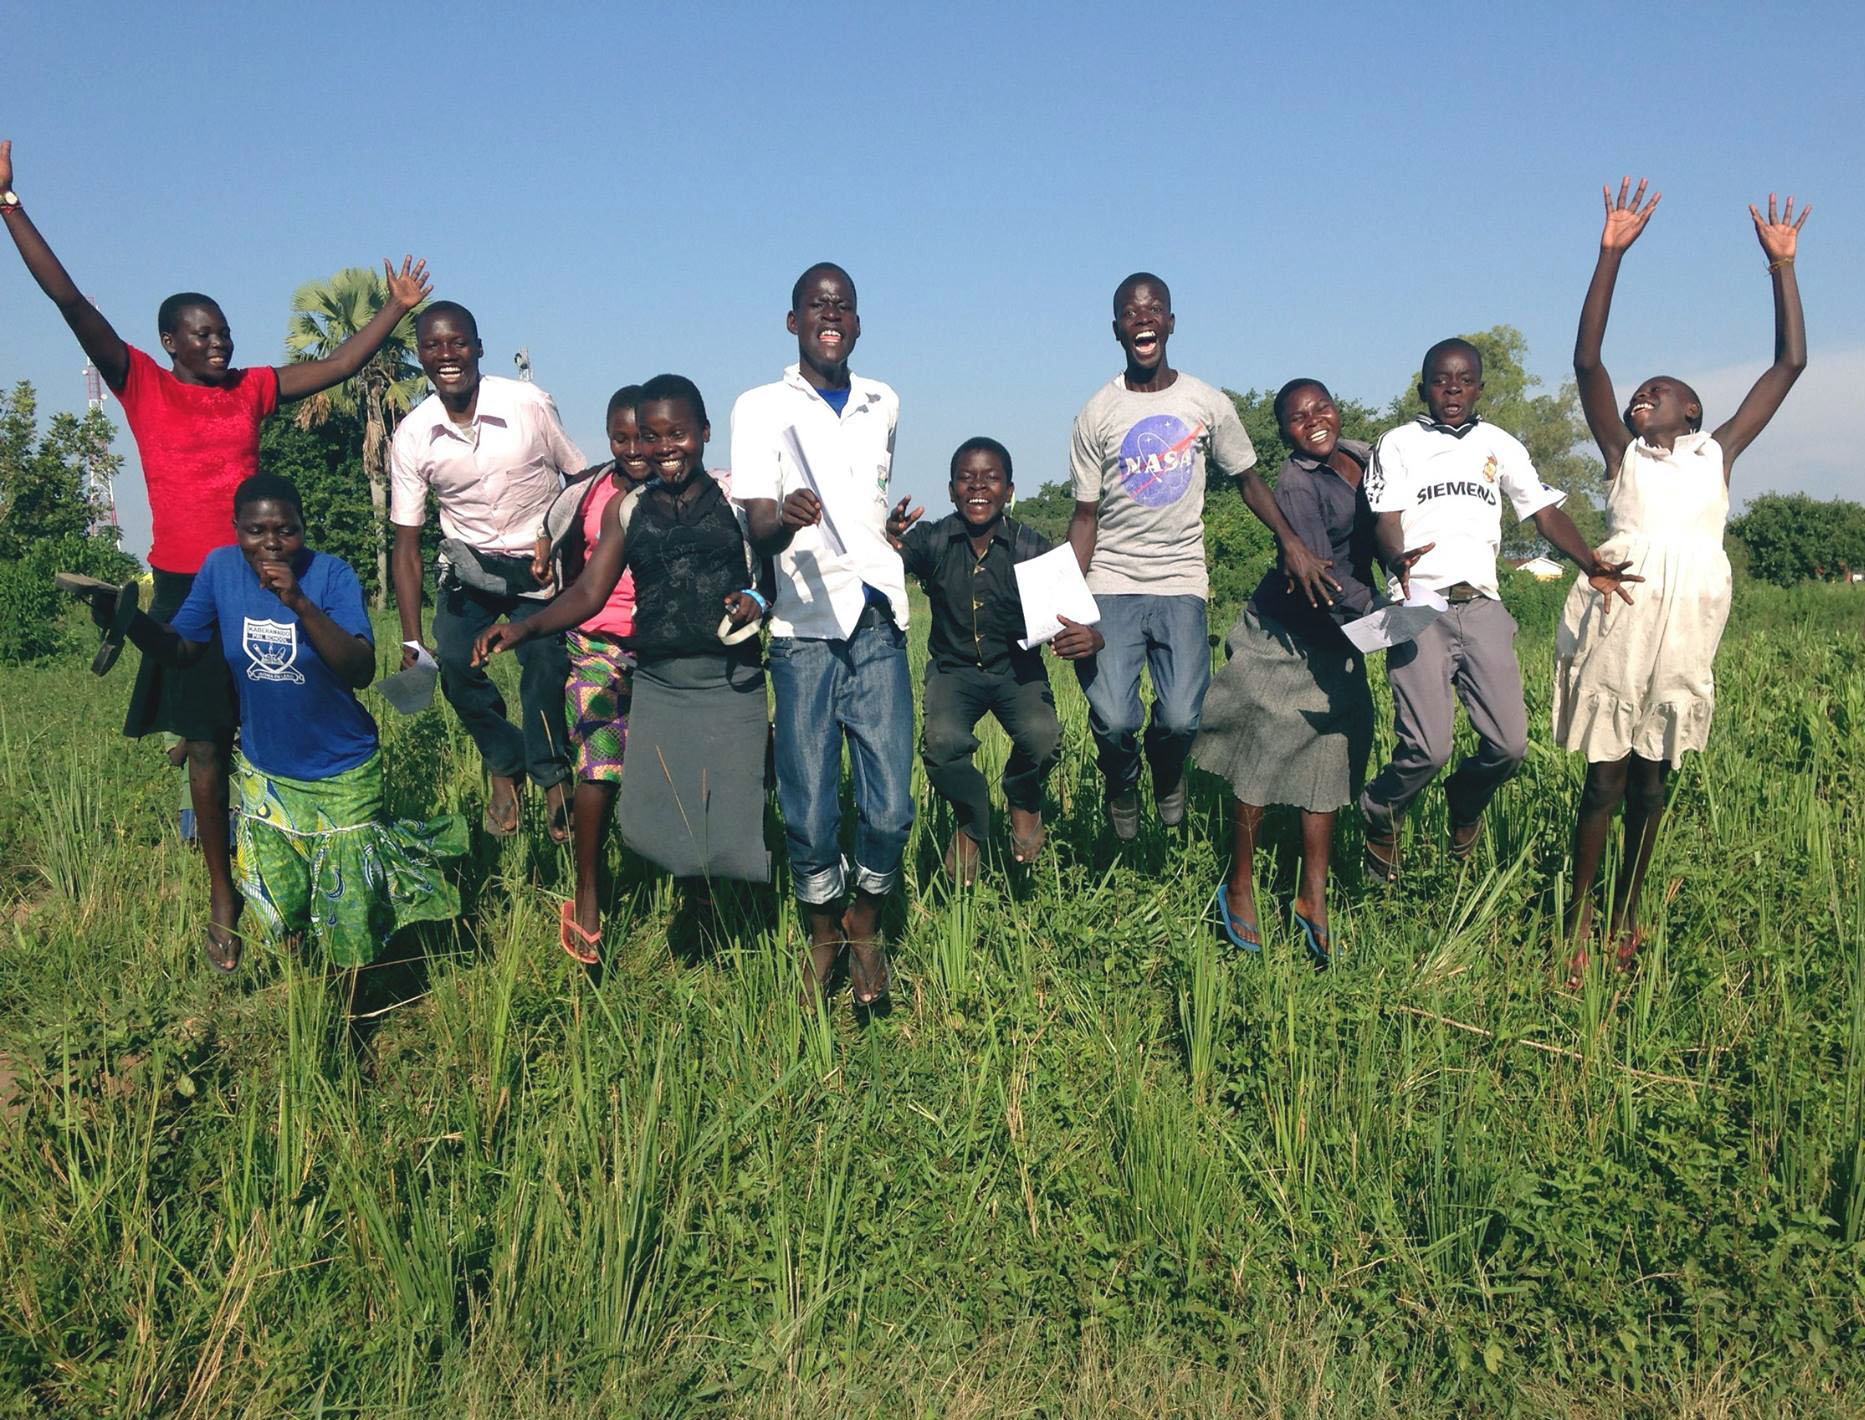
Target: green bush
35, 620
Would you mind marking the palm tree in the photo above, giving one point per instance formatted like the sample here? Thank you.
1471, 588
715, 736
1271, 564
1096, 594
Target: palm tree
324, 315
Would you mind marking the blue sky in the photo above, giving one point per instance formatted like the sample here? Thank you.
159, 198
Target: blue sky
628, 189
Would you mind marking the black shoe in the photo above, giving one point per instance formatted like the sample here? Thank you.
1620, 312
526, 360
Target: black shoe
1123, 813
1171, 805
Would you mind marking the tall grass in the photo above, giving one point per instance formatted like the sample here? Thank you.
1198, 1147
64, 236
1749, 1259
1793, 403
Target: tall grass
1092, 1164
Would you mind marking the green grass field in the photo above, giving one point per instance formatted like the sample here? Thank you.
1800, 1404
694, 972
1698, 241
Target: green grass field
1090, 1166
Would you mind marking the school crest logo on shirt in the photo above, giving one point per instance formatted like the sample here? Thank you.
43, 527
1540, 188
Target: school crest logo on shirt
1157, 458
1489, 469
273, 647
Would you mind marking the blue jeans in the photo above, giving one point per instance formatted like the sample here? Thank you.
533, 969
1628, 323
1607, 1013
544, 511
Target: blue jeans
858, 688
1167, 635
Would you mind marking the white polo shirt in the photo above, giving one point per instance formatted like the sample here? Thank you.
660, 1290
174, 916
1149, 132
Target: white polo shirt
1447, 485
851, 457
493, 478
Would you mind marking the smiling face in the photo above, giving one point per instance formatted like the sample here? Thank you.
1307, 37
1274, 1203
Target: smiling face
1311, 421
200, 345
449, 351
625, 444
980, 488
269, 530
1662, 409
825, 324
1451, 385
1143, 322
673, 439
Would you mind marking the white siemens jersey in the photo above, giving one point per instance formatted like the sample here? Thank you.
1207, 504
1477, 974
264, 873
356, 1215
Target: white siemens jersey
1448, 485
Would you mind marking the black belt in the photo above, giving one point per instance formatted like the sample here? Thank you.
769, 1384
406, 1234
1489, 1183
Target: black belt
872, 615
1458, 593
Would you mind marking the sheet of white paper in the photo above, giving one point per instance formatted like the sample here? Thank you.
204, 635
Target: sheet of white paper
830, 536
1395, 625
1050, 587
411, 691
422, 657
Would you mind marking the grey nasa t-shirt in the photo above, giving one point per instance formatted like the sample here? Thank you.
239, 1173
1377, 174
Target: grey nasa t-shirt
1142, 458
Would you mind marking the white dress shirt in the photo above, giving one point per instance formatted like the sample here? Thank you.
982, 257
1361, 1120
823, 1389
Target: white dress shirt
850, 460
1447, 487
494, 478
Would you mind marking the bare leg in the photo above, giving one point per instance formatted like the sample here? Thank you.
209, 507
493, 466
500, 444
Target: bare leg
595, 801
1246, 820
1644, 810
209, 762
1599, 800
1317, 847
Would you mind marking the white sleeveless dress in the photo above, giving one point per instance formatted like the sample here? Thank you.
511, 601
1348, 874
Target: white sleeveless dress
1638, 679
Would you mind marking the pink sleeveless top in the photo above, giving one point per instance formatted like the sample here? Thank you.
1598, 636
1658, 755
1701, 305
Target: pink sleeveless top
617, 615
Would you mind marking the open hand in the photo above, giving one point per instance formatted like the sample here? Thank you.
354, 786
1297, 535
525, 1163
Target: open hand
1074, 641
1625, 220
899, 520
6, 162
802, 509
1778, 237
407, 288
278, 579
741, 609
1308, 574
1403, 567
1606, 578
506, 636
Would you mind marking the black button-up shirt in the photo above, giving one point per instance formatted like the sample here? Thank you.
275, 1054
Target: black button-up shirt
1332, 519
977, 616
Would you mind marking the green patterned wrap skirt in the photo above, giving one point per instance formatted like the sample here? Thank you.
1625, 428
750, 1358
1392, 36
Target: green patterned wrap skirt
318, 855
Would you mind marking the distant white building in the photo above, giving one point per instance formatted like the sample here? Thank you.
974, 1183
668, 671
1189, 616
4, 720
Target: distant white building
1544, 568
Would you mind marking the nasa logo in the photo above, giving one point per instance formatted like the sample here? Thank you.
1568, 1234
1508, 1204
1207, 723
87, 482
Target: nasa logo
1157, 458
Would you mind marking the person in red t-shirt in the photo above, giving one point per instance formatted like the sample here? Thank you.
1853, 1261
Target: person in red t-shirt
197, 431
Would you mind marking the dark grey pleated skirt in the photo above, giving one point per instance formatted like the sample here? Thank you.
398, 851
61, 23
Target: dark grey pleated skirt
1287, 720
693, 787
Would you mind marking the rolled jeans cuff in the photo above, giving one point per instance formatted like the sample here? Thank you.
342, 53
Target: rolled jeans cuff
875, 884
823, 886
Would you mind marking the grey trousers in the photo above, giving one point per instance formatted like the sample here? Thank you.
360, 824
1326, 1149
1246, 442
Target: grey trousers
1470, 649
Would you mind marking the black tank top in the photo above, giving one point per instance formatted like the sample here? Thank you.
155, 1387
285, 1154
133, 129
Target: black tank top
686, 559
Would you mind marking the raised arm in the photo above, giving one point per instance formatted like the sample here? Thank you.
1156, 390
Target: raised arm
1624, 221
1779, 240
95, 334
407, 289
580, 601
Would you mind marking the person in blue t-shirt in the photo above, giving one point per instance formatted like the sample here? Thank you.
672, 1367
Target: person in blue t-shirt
314, 849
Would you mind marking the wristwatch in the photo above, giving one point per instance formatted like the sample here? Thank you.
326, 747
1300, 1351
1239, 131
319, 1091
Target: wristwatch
9, 199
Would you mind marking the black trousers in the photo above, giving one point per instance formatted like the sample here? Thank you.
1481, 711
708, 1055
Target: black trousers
538, 751
955, 700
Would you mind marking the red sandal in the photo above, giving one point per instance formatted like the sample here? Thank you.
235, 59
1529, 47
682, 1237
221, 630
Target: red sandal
585, 947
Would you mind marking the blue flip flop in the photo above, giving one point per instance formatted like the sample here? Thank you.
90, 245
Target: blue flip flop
1232, 929
1320, 950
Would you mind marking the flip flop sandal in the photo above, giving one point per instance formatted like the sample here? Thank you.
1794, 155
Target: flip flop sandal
1577, 969
128, 603
1465, 851
222, 956
1630, 944
862, 976
585, 947
1320, 949
558, 817
1027, 849
1232, 927
504, 830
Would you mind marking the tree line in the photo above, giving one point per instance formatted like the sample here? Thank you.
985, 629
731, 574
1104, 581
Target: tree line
335, 446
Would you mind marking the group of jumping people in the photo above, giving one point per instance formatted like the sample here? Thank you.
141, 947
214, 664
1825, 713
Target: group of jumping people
634, 594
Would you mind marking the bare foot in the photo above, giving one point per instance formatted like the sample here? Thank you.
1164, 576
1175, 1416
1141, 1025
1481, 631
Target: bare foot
222, 942
557, 812
817, 960
1027, 835
501, 819
871, 978
962, 858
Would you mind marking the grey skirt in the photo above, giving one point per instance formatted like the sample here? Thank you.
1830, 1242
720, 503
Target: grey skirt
694, 789
1287, 720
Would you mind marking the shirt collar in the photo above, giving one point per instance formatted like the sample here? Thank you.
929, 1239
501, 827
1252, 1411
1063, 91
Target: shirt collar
860, 391
952, 526
1456, 431
1359, 452
493, 404
1682, 447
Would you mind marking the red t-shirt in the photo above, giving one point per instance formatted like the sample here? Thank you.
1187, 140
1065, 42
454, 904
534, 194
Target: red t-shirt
198, 443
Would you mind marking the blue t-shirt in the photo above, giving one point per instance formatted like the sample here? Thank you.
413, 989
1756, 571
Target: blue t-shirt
835, 399
298, 718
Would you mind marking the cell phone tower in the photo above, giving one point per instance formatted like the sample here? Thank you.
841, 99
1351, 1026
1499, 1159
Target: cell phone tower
523, 361
99, 492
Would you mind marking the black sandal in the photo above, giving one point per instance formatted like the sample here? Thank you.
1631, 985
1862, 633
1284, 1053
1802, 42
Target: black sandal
128, 601
222, 955
1380, 869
